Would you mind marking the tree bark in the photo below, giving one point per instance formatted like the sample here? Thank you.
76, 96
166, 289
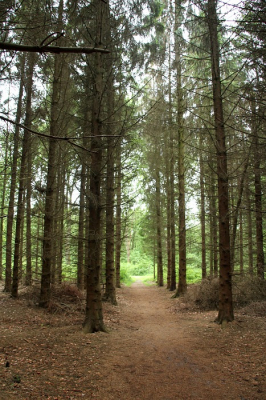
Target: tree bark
49, 211
258, 209
202, 215
225, 313
10, 213
118, 242
182, 280
158, 225
94, 317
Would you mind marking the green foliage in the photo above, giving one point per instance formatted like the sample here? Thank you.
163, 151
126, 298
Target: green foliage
125, 277
146, 279
143, 267
194, 275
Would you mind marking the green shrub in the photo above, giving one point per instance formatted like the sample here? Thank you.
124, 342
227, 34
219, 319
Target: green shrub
194, 275
125, 277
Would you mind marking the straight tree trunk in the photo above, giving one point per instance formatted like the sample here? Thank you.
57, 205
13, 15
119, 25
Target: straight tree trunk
236, 211
158, 225
81, 231
3, 202
241, 254
10, 213
225, 313
23, 178
182, 281
94, 317
110, 292
49, 212
171, 194
118, 222
29, 173
250, 234
202, 216
258, 199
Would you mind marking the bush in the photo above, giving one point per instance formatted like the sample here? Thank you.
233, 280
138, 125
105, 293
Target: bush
248, 289
125, 276
207, 296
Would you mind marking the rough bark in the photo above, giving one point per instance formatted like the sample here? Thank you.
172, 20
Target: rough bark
250, 233
202, 216
182, 280
118, 221
159, 228
258, 211
225, 313
110, 292
10, 213
94, 317
49, 212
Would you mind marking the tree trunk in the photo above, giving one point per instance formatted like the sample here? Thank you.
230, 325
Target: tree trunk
23, 178
10, 213
202, 216
3, 201
49, 212
258, 210
94, 317
110, 292
118, 242
158, 225
81, 231
29, 173
225, 284
182, 281
258, 199
250, 234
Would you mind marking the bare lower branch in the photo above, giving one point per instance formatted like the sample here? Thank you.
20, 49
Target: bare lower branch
51, 49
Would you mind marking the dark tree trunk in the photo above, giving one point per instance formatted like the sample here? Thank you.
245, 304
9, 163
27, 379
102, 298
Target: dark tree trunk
110, 292
49, 212
258, 197
81, 231
225, 280
23, 178
202, 216
10, 213
158, 225
182, 278
118, 242
94, 317
250, 233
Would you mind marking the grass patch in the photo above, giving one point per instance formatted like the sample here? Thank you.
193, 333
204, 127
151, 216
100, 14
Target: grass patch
194, 275
146, 279
125, 277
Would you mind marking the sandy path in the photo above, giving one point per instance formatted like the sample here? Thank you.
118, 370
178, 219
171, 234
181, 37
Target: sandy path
153, 351
155, 354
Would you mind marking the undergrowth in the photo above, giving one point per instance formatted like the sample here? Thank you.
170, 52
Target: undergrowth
205, 295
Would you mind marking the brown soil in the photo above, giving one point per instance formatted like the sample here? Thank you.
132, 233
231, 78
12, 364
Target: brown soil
156, 349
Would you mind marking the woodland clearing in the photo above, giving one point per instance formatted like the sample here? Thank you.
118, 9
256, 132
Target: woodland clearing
156, 348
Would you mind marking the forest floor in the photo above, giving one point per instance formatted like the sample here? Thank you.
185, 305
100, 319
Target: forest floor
156, 349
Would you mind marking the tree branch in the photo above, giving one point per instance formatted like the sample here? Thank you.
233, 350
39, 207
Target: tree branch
51, 49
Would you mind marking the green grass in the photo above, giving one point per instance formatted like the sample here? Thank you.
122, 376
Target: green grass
146, 279
194, 275
125, 277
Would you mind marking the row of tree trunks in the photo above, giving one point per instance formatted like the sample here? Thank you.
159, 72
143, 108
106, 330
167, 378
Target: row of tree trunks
11, 205
23, 179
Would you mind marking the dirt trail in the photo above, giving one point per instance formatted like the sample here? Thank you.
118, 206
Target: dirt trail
156, 354
155, 350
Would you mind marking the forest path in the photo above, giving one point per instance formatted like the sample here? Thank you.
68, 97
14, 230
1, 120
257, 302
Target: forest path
158, 354
156, 349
